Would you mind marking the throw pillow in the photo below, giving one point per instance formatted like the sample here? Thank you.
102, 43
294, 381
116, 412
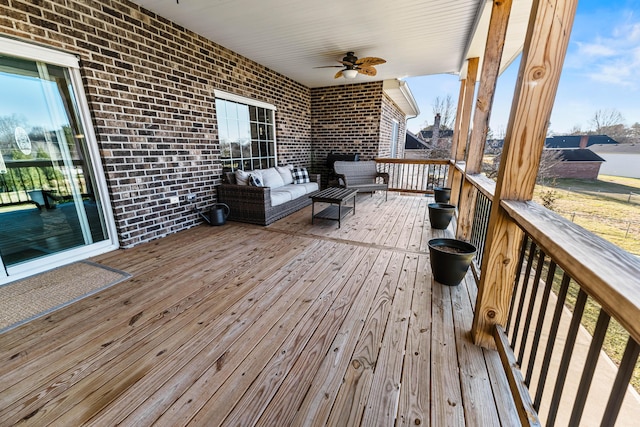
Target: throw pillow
255, 180
300, 175
242, 177
271, 178
285, 173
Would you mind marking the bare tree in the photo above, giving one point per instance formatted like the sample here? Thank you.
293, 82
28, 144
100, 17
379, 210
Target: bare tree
604, 120
447, 110
548, 160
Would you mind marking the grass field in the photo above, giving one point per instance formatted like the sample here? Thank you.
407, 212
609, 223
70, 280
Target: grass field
609, 208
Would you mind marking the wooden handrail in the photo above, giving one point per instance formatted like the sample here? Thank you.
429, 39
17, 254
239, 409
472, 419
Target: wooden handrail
526, 412
485, 185
610, 275
413, 161
417, 176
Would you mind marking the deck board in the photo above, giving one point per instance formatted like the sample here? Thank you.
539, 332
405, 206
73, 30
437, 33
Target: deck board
290, 324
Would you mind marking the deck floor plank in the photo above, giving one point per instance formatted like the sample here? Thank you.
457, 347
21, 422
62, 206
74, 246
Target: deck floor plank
382, 403
170, 383
166, 321
414, 403
353, 394
265, 367
290, 324
318, 400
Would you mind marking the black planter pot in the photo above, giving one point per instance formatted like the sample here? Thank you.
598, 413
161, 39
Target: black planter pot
440, 215
442, 194
450, 260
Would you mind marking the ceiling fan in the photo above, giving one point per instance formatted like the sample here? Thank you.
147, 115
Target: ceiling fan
352, 66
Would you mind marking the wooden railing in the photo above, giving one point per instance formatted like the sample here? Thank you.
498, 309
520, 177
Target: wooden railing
415, 175
564, 272
484, 190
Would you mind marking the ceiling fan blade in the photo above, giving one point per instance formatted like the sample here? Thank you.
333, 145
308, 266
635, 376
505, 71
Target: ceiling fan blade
338, 75
330, 66
370, 60
367, 71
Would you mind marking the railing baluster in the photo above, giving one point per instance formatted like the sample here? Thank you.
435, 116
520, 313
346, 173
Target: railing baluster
589, 367
532, 302
523, 251
523, 294
551, 272
566, 357
625, 371
553, 333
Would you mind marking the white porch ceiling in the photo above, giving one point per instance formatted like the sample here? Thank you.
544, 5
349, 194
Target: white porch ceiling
416, 37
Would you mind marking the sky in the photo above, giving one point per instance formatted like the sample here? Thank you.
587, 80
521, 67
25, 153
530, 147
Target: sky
601, 72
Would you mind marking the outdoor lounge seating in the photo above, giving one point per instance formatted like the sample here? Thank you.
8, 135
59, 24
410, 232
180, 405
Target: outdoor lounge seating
278, 196
363, 176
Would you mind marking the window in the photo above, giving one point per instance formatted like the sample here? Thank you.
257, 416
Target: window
246, 129
394, 139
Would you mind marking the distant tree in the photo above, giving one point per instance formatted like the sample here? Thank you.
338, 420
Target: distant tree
606, 119
8, 124
447, 110
548, 160
576, 130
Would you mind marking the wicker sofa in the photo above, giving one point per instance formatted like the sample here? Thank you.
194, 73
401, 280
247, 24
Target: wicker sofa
265, 204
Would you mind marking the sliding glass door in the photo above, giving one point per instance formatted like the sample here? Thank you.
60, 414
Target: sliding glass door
51, 206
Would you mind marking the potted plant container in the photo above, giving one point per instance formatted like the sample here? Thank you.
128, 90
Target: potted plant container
450, 260
440, 215
442, 194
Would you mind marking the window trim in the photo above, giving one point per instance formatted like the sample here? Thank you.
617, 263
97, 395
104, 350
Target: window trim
395, 129
227, 96
38, 53
231, 97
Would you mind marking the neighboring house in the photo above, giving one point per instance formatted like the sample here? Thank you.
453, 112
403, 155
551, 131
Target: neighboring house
620, 160
578, 141
577, 163
415, 147
413, 142
428, 134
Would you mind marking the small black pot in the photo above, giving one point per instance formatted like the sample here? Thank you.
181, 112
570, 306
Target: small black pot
442, 194
440, 215
450, 260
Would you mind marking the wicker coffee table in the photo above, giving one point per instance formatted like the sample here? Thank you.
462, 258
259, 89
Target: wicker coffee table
336, 196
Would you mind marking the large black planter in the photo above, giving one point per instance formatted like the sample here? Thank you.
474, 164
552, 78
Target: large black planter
442, 194
440, 215
450, 260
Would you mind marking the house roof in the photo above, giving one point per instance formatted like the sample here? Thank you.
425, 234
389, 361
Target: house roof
573, 141
412, 142
416, 37
616, 149
428, 134
579, 155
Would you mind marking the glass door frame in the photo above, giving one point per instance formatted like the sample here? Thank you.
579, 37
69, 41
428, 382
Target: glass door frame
19, 49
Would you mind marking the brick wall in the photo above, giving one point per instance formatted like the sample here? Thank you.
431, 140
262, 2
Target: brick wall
355, 118
149, 84
577, 170
391, 112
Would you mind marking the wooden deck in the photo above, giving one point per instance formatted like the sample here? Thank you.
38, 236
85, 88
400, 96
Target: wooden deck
290, 324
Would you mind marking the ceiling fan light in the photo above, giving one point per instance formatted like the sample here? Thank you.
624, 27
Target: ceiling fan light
350, 74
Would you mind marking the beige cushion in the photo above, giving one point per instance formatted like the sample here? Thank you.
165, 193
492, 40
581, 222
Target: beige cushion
242, 177
285, 173
271, 178
280, 196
